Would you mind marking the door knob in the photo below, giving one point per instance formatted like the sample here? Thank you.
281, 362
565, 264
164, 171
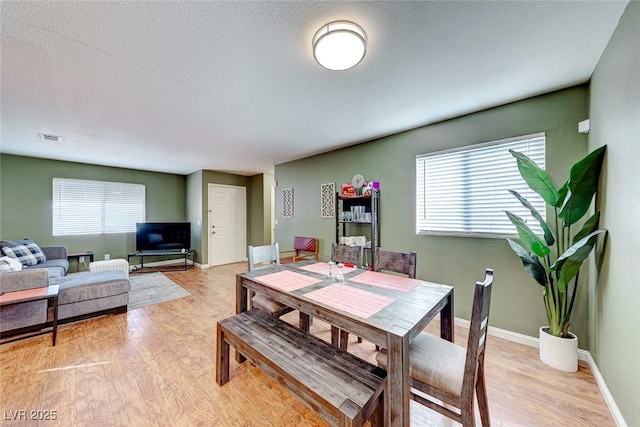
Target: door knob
213, 232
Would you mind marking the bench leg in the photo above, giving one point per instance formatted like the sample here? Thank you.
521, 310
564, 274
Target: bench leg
350, 415
377, 417
222, 357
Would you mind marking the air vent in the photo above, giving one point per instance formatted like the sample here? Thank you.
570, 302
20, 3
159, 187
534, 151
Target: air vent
50, 138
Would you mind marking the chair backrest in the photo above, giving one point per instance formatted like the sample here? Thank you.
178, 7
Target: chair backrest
305, 244
263, 256
397, 262
477, 333
347, 254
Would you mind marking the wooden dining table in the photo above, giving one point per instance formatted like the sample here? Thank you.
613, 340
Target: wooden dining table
385, 309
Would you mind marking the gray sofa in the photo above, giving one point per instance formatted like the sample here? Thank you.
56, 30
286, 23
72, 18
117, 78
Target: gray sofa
56, 263
80, 296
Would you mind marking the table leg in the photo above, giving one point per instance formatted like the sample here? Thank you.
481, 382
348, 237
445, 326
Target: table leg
241, 305
55, 319
447, 327
398, 392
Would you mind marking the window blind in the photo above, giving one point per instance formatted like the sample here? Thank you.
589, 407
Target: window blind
96, 207
465, 191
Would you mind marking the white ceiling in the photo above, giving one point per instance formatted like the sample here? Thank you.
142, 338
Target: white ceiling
232, 86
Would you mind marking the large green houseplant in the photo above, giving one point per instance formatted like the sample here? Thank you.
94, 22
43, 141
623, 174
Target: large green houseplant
554, 259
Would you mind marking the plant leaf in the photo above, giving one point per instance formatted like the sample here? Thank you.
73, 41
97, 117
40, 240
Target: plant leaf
562, 194
531, 264
548, 235
583, 184
589, 227
568, 264
536, 178
528, 237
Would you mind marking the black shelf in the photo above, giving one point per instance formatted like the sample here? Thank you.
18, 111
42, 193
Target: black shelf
370, 228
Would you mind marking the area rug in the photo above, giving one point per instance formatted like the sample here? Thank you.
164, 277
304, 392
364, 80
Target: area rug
152, 288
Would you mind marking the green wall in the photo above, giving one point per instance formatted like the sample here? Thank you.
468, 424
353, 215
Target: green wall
25, 201
260, 213
198, 207
615, 121
459, 261
194, 212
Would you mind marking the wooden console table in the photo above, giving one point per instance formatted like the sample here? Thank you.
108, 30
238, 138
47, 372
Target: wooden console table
35, 294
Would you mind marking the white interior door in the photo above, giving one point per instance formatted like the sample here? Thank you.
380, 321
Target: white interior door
227, 224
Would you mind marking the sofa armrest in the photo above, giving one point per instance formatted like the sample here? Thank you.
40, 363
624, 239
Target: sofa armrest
26, 279
55, 252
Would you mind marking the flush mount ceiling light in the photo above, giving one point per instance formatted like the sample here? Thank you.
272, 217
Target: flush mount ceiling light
339, 45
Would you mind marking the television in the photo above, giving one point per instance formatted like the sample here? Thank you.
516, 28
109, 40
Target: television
163, 236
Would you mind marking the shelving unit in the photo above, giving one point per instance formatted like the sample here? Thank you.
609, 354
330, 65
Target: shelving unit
368, 224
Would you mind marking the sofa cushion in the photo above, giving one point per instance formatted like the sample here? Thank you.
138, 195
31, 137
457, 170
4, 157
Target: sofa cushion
84, 308
23, 315
9, 264
56, 267
88, 286
27, 254
9, 243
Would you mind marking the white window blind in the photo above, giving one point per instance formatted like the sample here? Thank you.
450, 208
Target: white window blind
464, 191
96, 207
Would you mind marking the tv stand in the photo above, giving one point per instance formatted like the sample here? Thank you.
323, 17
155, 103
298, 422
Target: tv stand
188, 254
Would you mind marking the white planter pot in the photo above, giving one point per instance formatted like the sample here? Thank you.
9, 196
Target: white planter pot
559, 353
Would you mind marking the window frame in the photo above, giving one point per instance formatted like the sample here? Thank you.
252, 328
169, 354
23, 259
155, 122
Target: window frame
103, 205
483, 234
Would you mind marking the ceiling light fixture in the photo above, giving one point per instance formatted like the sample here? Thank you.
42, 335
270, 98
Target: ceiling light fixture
339, 45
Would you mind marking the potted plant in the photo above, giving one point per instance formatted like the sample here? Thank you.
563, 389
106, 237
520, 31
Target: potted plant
554, 260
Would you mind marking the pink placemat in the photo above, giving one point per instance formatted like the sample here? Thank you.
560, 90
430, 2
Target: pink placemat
323, 268
354, 301
387, 281
287, 280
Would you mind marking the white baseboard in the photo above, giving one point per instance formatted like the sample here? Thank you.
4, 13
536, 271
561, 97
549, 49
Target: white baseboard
582, 355
611, 403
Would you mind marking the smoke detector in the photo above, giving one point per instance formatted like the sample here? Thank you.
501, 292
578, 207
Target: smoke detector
50, 138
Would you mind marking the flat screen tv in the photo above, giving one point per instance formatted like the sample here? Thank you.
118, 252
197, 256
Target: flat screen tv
159, 236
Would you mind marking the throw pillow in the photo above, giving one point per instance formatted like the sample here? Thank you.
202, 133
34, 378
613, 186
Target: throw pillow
29, 254
9, 264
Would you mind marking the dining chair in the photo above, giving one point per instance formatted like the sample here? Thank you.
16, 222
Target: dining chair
347, 255
263, 257
443, 371
395, 262
303, 248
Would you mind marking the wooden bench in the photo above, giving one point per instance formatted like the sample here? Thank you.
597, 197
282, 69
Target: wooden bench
341, 388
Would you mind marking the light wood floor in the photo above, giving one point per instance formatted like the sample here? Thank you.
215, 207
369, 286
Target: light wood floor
154, 366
